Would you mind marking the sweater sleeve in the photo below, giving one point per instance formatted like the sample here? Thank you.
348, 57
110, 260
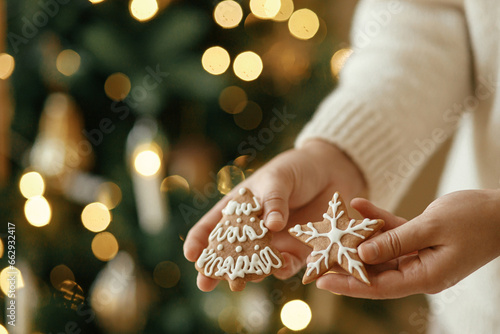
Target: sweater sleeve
400, 94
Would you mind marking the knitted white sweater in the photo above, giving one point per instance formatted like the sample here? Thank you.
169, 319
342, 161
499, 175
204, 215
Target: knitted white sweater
418, 67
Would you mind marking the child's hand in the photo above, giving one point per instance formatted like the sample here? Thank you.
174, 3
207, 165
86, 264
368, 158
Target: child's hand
456, 235
293, 188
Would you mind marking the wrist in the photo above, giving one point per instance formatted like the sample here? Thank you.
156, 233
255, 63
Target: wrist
341, 169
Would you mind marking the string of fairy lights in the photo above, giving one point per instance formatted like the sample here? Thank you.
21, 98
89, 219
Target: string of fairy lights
303, 24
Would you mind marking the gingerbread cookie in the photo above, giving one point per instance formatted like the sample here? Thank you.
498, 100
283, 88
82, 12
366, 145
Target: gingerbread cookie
336, 240
239, 247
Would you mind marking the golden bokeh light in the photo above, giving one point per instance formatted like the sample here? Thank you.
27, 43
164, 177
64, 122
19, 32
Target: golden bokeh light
175, 184
265, 9
68, 62
228, 14
3, 330
7, 64
147, 162
338, 60
117, 86
250, 117
96, 217
11, 280
247, 66
37, 211
31, 185
109, 194
96, 1
105, 246
59, 274
296, 315
215, 60
233, 99
70, 294
285, 11
303, 24
228, 177
166, 274
1, 248
143, 10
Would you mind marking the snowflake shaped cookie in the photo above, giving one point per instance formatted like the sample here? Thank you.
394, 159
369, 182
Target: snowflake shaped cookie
336, 240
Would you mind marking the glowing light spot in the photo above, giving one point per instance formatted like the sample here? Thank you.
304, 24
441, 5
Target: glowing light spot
296, 315
228, 177
105, 246
147, 162
265, 9
143, 10
166, 274
175, 184
7, 285
303, 24
96, 217
247, 66
285, 11
59, 274
68, 62
31, 185
7, 64
3, 330
37, 211
109, 194
338, 61
215, 60
228, 14
96, 1
250, 117
233, 99
117, 86
1, 248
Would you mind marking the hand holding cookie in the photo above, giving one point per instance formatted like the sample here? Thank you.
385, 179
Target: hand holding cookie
456, 235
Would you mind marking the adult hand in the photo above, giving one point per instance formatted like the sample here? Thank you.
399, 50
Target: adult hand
293, 188
456, 235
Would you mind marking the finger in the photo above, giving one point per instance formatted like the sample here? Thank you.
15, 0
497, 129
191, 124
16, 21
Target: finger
291, 265
413, 236
395, 283
197, 237
368, 210
205, 283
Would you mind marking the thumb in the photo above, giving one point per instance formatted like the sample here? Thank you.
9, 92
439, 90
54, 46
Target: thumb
275, 204
405, 239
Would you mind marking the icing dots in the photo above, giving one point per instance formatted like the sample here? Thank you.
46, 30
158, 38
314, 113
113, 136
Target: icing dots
256, 247
242, 191
238, 249
238, 220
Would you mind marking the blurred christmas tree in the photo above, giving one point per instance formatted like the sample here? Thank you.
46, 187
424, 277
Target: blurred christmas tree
130, 119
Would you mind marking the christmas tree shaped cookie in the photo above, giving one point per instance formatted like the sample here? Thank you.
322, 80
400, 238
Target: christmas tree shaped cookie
239, 247
336, 240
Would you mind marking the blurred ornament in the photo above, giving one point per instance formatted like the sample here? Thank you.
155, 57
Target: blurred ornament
69, 295
60, 149
120, 297
146, 149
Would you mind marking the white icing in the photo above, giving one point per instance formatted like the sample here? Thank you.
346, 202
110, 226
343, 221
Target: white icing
238, 249
335, 235
256, 247
252, 219
220, 247
238, 220
232, 233
259, 263
242, 191
227, 222
234, 207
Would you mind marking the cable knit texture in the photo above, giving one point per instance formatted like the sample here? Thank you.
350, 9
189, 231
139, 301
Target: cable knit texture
418, 68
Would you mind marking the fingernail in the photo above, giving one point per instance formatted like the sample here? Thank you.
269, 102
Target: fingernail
370, 251
274, 218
